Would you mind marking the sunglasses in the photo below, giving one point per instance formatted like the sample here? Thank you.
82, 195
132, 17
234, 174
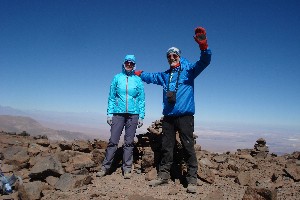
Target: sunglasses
129, 63
172, 56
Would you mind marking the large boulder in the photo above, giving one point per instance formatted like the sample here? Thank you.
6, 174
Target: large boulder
69, 181
47, 166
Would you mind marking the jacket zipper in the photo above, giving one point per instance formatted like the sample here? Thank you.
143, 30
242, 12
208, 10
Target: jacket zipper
127, 94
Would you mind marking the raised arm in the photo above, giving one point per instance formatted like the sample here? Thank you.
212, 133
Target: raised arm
205, 58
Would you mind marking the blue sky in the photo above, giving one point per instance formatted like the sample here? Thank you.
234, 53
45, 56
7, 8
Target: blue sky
62, 55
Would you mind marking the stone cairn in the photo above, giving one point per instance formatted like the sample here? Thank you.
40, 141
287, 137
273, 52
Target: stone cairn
260, 150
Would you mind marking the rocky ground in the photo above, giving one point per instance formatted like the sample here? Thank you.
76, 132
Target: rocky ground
67, 170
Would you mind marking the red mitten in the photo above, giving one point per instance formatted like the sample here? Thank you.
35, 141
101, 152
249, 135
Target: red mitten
138, 73
200, 38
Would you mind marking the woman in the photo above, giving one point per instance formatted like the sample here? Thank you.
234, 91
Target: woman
126, 108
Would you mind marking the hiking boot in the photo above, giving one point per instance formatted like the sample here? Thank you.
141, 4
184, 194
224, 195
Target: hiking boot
127, 175
191, 188
158, 181
101, 173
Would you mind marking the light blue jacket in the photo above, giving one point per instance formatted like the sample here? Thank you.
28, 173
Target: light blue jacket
126, 95
185, 104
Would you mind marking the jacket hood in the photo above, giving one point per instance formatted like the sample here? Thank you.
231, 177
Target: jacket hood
183, 62
130, 58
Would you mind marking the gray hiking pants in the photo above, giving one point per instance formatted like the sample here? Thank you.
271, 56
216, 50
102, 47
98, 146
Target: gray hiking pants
118, 122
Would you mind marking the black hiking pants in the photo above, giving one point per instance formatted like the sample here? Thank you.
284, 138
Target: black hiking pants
185, 126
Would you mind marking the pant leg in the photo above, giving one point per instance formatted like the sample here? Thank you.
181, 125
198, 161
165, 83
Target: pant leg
185, 125
115, 131
131, 122
168, 143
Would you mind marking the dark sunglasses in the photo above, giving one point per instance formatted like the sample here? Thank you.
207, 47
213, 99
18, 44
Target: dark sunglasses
174, 56
129, 63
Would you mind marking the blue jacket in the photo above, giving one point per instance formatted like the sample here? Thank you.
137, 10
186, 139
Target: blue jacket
185, 104
126, 95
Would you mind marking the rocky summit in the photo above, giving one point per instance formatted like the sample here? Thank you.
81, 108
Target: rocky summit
67, 170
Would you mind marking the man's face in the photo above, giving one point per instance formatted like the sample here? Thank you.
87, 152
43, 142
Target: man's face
173, 59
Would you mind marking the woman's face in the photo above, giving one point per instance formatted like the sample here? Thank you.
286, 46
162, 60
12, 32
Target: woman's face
129, 65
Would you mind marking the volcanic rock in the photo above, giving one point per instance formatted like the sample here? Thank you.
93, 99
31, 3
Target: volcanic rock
67, 170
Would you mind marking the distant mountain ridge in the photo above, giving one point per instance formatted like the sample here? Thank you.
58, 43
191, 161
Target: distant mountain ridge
6, 110
89, 119
89, 123
212, 137
18, 124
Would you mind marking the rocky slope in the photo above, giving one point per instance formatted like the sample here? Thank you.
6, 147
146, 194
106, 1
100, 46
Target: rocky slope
67, 170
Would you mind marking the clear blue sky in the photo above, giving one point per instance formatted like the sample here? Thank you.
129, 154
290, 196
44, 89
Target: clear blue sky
62, 55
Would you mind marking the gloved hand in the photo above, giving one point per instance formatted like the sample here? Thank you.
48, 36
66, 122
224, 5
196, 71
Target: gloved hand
138, 73
140, 123
109, 120
200, 38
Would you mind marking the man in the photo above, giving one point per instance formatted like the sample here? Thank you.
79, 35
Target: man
179, 107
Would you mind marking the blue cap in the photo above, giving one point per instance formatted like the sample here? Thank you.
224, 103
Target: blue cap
130, 58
